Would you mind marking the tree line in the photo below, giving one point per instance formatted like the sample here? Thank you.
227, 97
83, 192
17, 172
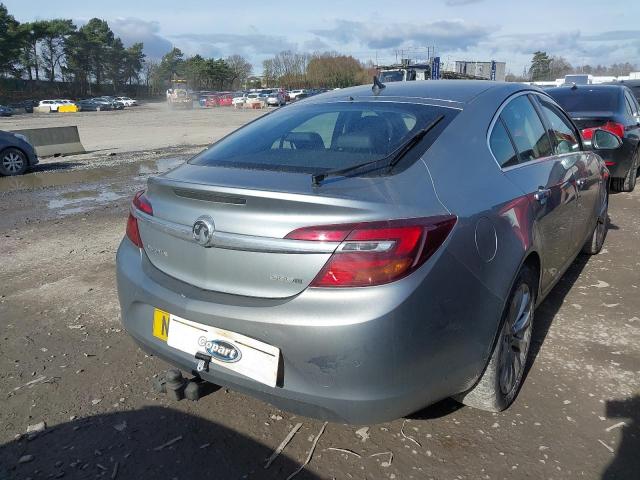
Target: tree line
545, 67
200, 73
91, 58
326, 70
57, 50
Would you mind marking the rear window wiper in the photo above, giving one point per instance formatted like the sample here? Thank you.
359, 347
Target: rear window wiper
392, 159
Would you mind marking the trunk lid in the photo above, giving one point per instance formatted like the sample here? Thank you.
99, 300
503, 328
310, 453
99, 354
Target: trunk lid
253, 210
591, 119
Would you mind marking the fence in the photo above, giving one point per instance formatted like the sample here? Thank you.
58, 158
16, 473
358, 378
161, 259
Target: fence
16, 90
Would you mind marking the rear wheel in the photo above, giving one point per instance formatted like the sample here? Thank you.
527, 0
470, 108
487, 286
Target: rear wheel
628, 183
13, 162
502, 378
596, 241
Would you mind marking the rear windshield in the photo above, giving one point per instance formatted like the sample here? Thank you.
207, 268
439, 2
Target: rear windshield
319, 137
587, 99
391, 76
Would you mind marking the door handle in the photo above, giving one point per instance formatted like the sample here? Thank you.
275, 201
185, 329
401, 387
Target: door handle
542, 194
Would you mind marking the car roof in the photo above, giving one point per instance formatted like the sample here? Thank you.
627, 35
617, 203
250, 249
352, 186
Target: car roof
458, 91
579, 88
632, 82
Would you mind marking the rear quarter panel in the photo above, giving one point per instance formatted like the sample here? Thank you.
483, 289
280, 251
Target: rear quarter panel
490, 209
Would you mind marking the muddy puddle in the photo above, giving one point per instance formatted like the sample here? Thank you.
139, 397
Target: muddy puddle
72, 202
66, 191
61, 174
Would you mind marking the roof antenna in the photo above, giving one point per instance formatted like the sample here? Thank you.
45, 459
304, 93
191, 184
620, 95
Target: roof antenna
377, 84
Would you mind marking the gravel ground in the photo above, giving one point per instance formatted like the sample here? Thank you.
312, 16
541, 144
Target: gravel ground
65, 361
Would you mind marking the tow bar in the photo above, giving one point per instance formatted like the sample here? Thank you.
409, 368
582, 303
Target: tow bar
176, 387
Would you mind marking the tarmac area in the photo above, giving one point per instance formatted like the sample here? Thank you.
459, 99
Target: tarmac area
76, 392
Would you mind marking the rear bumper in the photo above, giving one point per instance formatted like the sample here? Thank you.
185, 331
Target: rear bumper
356, 355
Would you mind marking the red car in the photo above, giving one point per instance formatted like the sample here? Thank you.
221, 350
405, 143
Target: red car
210, 101
225, 100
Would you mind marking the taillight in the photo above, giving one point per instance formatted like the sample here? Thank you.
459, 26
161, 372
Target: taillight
132, 231
140, 202
613, 127
375, 253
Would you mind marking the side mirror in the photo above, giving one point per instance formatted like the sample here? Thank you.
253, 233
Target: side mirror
604, 140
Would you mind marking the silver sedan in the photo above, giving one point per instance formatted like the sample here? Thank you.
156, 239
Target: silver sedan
367, 252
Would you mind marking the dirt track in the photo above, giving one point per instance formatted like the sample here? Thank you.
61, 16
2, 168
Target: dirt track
60, 329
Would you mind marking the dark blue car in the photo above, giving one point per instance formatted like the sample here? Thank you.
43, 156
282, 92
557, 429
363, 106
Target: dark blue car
613, 108
16, 154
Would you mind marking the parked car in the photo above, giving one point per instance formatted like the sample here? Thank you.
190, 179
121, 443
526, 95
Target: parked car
27, 105
208, 100
52, 104
360, 260
632, 84
17, 155
612, 108
253, 97
115, 104
239, 100
5, 111
91, 105
276, 98
225, 99
293, 94
128, 102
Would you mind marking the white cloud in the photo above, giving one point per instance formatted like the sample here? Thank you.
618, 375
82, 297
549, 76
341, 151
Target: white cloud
445, 34
132, 30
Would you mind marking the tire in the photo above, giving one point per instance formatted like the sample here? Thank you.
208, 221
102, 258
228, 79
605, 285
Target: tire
628, 183
500, 383
13, 162
594, 244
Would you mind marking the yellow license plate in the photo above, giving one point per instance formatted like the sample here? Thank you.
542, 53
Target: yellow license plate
161, 324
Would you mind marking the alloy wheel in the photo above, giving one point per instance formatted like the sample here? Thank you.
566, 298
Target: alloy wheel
12, 162
516, 338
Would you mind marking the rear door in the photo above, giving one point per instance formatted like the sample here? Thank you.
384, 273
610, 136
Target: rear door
546, 180
633, 128
586, 170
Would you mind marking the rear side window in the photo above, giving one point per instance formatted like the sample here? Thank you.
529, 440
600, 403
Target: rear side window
502, 147
562, 132
633, 104
317, 137
526, 129
627, 107
585, 99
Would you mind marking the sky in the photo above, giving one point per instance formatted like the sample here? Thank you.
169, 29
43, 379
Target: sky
582, 31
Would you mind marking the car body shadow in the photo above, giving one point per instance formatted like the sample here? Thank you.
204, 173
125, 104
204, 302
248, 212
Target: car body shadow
437, 410
152, 442
547, 310
626, 463
54, 166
